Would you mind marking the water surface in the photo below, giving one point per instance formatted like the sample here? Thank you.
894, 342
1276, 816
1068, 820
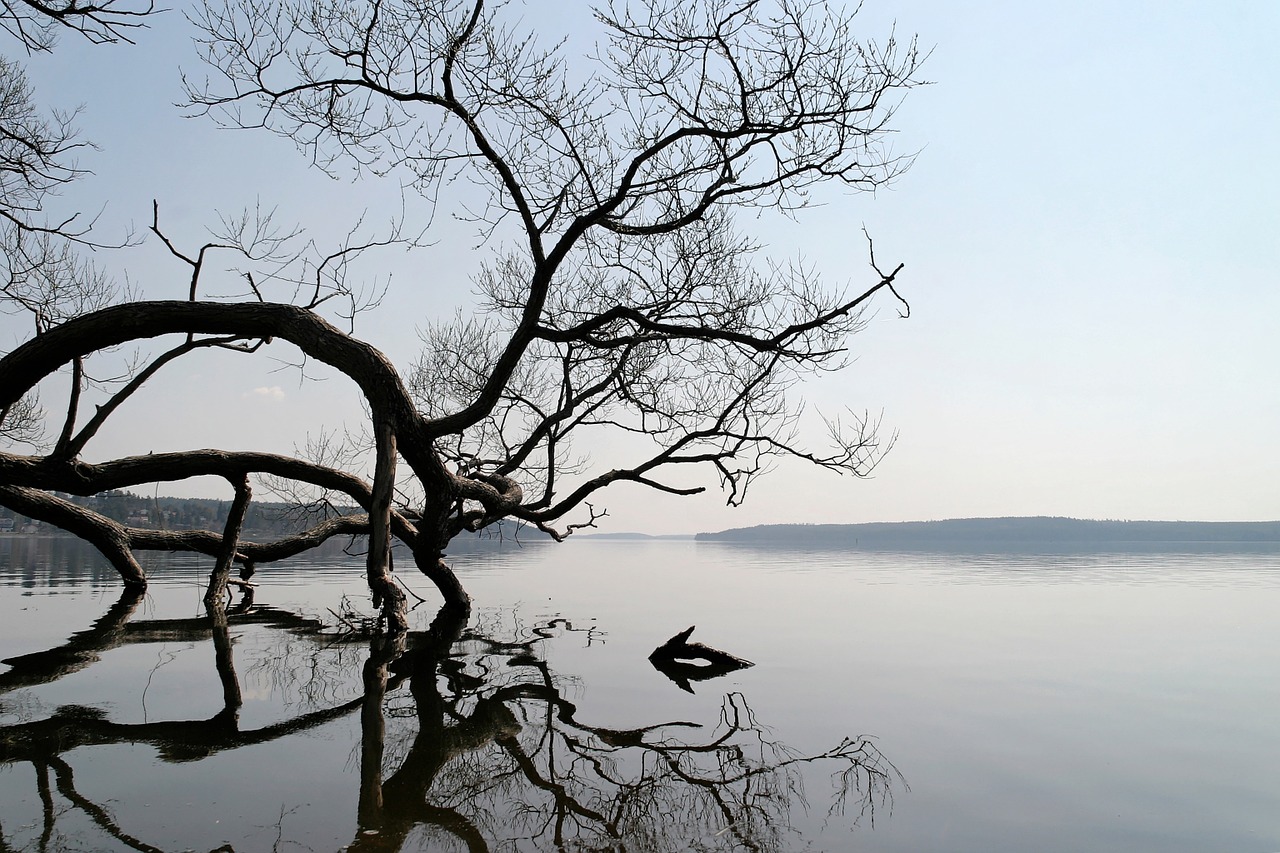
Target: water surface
899, 702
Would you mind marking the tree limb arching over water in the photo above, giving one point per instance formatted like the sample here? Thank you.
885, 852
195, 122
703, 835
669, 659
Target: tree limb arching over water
467, 737
615, 294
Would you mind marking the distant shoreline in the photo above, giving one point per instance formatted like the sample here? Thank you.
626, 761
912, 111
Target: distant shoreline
967, 534
1006, 532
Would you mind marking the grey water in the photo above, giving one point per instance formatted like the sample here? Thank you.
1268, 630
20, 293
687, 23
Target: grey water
899, 701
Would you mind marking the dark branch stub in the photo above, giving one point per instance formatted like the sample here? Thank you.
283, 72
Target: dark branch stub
675, 657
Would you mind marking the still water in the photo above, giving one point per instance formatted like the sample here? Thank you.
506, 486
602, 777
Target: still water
899, 702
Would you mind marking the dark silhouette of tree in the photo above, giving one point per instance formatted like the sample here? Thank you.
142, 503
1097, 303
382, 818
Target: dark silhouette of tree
35, 24
616, 296
487, 749
42, 272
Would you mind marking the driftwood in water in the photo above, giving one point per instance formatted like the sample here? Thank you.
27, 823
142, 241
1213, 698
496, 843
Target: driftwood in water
675, 657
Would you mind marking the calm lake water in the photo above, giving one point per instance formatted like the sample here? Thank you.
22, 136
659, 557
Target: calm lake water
899, 702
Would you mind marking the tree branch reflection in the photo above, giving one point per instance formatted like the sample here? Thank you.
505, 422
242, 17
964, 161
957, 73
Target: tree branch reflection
468, 740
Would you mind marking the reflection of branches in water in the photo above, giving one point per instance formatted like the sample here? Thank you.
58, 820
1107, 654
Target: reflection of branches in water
83, 649
468, 737
279, 842
103, 818
499, 753
163, 657
304, 675
50, 838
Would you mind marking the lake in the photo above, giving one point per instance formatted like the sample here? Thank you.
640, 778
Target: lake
922, 701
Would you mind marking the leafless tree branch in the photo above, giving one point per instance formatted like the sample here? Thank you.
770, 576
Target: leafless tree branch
617, 298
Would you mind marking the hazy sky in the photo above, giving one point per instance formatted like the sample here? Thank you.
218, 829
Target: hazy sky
1089, 233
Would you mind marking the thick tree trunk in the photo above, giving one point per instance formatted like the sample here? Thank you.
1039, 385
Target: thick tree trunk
389, 400
215, 601
431, 563
386, 594
215, 595
106, 535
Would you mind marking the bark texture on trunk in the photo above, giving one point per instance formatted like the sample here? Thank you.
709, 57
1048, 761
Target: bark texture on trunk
386, 595
431, 563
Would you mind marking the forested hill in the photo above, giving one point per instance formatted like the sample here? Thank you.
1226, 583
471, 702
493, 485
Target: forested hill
1001, 532
166, 513
264, 519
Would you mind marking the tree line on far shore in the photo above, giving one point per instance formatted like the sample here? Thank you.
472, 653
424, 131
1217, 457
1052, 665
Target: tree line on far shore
1002, 532
166, 513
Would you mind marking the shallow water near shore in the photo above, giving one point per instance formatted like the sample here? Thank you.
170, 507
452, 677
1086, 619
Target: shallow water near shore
899, 701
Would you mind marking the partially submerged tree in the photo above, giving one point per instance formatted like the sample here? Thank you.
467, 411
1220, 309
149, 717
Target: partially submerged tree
616, 295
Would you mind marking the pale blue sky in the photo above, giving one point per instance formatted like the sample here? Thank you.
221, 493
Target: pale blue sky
1090, 239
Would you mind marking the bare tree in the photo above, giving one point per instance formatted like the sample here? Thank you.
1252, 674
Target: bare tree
42, 272
617, 296
35, 24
